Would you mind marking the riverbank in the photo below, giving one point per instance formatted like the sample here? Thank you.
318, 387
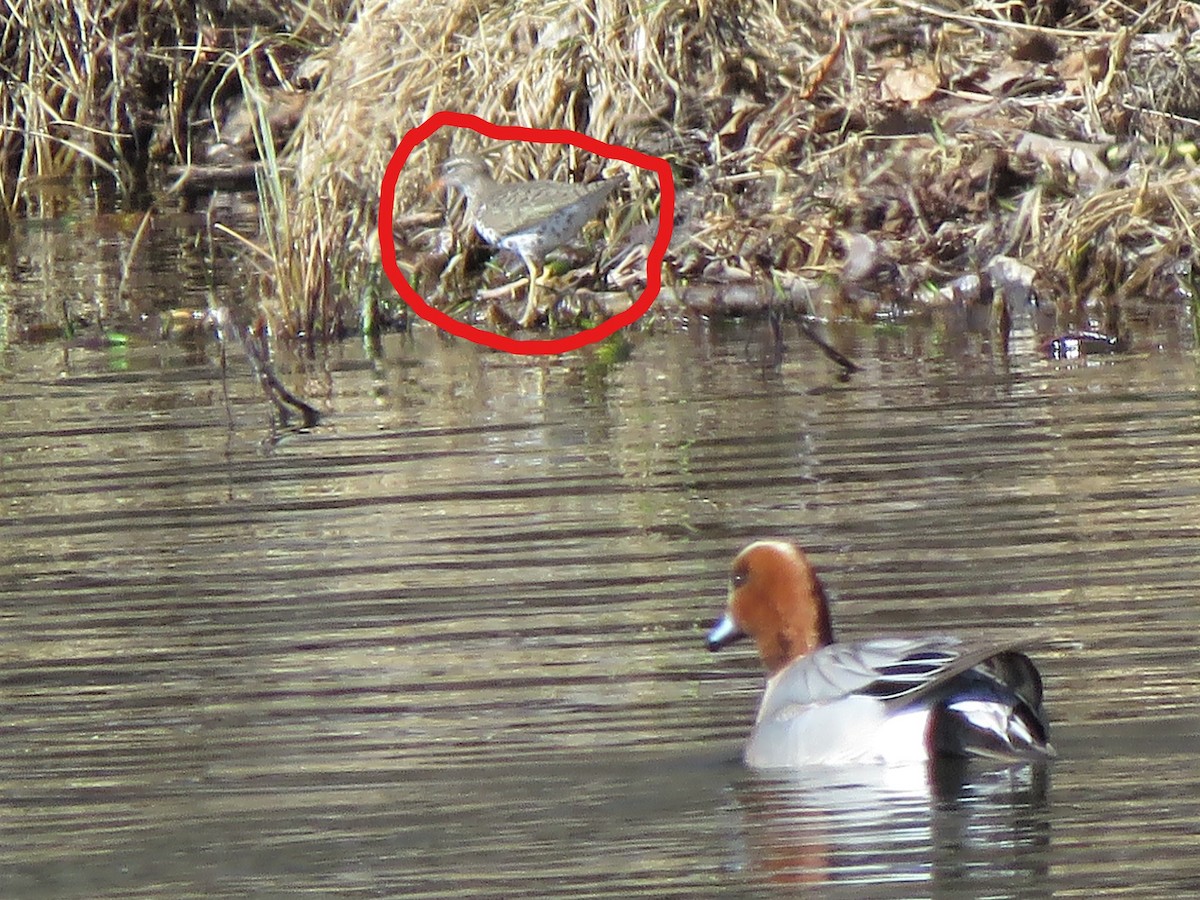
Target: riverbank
837, 160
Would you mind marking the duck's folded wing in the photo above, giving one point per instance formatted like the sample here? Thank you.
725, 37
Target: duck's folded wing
898, 671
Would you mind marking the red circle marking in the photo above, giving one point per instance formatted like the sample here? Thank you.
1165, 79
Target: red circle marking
658, 249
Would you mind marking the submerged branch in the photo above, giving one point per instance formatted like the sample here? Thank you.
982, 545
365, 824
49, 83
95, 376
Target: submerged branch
254, 345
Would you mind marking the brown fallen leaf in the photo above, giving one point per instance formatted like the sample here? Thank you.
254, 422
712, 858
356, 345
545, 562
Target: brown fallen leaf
910, 84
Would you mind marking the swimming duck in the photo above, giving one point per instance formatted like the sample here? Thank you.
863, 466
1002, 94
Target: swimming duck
887, 700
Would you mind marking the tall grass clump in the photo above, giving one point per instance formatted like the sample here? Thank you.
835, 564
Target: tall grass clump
111, 87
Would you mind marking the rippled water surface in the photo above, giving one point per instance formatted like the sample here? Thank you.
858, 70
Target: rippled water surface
449, 642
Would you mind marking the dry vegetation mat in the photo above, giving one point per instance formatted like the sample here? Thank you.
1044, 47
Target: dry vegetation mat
844, 158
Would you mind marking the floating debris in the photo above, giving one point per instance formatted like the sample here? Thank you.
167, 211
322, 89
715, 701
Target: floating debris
1084, 343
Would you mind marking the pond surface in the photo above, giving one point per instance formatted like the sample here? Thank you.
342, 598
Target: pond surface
450, 642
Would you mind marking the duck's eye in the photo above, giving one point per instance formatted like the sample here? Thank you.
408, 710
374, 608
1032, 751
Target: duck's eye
739, 577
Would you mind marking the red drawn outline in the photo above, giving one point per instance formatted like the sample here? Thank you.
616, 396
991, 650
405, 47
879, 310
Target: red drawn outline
387, 246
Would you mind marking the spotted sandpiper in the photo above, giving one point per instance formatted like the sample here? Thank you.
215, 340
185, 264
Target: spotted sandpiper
531, 218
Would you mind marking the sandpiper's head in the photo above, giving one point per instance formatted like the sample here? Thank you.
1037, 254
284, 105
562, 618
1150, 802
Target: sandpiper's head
465, 173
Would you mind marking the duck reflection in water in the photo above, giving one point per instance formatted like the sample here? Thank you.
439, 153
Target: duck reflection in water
960, 825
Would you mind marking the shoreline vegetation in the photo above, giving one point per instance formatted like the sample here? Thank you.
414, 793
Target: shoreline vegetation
839, 160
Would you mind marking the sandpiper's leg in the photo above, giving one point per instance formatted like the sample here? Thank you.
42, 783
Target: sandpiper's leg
529, 318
